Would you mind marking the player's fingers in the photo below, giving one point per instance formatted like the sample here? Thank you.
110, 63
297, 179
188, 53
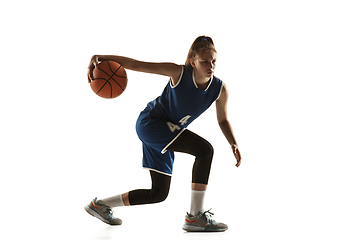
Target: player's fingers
90, 73
95, 61
95, 64
238, 157
89, 78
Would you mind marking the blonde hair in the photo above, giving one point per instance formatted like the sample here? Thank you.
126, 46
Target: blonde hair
201, 44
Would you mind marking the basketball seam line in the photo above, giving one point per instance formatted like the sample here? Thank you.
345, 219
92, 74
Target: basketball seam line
114, 73
108, 80
111, 77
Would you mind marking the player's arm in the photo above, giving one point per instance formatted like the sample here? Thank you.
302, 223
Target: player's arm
221, 111
171, 70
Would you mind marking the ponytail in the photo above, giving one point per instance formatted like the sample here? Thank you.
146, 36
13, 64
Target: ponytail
201, 44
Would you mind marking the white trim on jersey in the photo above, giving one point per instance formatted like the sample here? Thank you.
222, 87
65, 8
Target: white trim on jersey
165, 148
209, 83
182, 72
193, 77
168, 174
222, 84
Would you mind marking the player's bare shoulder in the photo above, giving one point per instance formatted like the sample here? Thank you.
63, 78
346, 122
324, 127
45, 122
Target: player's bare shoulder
176, 73
224, 94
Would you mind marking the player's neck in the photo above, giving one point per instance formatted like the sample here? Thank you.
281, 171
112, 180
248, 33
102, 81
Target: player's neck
201, 82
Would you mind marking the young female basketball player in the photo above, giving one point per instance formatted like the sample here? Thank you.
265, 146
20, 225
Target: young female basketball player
162, 129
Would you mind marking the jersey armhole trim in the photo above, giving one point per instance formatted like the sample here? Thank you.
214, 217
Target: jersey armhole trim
182, 72
220, 91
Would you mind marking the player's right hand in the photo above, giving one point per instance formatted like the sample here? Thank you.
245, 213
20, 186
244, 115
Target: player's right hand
93, 64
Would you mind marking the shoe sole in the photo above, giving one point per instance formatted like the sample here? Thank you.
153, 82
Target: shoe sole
192, 228
93, 213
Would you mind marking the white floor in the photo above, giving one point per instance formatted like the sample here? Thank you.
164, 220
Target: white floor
267, 209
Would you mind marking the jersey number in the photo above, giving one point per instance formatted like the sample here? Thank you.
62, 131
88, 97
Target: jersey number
173, 127
182, 121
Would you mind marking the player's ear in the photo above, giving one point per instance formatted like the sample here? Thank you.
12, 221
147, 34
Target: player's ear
192, 62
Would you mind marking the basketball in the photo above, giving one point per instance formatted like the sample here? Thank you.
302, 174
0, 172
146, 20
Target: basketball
109, 79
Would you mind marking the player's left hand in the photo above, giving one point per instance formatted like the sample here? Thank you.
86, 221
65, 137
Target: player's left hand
237, 154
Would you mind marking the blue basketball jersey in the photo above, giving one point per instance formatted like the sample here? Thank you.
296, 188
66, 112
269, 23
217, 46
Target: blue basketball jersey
165, 118
184, 102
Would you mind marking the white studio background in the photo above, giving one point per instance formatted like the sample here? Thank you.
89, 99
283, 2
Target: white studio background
292, 68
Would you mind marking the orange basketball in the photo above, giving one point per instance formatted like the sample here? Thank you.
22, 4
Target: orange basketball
109, 79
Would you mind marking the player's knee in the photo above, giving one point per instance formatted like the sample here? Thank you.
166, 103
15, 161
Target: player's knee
206, 150
159, 195
210, 150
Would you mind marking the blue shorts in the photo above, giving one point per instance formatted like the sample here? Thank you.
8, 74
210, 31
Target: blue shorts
156, 136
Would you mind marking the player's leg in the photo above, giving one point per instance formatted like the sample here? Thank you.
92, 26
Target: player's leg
158, 192
102, 208
191, 143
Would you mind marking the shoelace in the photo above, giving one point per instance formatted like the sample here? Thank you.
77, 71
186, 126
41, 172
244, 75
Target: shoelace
208, 215
109, 212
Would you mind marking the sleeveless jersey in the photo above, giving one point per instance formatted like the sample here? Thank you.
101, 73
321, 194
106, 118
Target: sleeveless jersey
183, 103
166, 117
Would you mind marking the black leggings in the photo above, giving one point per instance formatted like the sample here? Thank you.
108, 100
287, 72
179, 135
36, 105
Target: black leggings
187, 142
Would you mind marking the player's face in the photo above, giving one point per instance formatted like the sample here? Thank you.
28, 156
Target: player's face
205, 63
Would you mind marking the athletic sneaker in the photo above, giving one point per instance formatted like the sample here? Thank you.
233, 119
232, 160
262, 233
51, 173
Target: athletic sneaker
203, 222
102, 212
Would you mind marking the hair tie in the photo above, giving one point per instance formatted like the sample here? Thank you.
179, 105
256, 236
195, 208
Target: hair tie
204, 39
